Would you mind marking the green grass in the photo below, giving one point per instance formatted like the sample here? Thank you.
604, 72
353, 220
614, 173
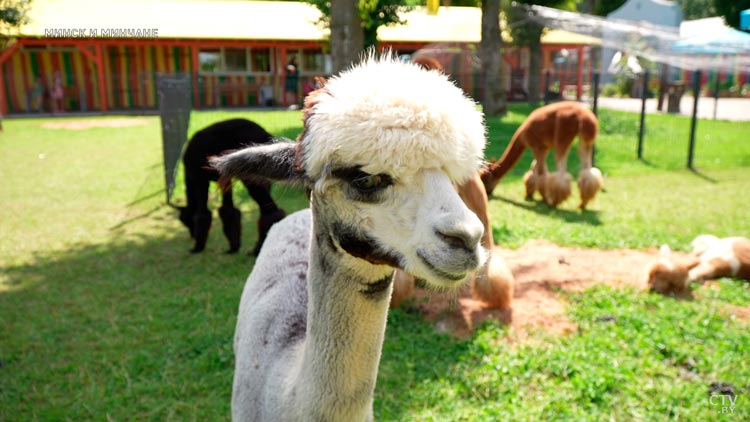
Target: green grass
107, 317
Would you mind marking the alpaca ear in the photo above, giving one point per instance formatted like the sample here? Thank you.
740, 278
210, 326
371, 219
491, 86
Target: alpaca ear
665, 250
271, 162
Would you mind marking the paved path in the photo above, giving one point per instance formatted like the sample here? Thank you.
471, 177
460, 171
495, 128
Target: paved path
736, 109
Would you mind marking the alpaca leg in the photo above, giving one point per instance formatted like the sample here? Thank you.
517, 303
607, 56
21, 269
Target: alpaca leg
711, 270
530, 181
403, 287
197, 215
270, 213
202, 224
557, 184
590, 179
539, 173
231, 221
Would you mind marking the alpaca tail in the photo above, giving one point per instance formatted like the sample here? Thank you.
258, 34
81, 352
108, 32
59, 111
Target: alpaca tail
492, 173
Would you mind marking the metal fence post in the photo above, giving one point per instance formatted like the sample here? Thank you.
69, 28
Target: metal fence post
644, 95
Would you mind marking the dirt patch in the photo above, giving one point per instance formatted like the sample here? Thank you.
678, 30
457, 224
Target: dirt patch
542, 270
81, 124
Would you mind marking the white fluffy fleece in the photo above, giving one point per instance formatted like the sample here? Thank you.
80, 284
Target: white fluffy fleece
393, 117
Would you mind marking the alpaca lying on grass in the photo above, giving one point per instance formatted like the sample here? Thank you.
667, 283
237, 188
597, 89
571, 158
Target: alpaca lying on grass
710, 258
213, 140
313, 312
552, 127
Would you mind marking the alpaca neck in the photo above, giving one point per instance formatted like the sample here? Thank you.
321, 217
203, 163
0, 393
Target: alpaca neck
348, 300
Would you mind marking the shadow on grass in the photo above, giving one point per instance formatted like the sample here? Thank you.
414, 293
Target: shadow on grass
416, 363
138, 327
701, 175
133, 329
570, 216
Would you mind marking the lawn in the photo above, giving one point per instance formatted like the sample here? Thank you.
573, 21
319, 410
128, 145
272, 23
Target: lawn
107, 317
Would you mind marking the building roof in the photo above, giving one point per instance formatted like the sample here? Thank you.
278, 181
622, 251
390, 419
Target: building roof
251, 20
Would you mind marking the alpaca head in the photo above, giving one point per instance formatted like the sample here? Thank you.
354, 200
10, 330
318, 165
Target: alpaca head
382, 145
590, 181
668, 275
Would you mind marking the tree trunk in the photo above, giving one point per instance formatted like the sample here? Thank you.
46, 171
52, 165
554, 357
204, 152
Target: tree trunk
347, 37
493, 100
535, 70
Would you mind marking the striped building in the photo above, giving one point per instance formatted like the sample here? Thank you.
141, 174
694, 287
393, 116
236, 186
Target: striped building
106, 55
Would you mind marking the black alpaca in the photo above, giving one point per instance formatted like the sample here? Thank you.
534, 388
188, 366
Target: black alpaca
214, 140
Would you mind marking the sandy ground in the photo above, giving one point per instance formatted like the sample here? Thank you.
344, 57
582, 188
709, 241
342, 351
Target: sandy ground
80, 124
541, 270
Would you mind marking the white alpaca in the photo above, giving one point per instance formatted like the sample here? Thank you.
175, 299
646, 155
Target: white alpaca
382, 145
710, 258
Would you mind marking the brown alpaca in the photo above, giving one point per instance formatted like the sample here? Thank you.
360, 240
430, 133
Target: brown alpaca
552, 127
711, 258
493, 283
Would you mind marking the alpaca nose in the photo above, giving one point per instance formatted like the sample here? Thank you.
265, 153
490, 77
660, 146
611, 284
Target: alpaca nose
464, 236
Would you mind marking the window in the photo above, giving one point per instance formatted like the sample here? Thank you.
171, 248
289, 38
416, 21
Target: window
210, 61
314, 61
235, 60
261, 59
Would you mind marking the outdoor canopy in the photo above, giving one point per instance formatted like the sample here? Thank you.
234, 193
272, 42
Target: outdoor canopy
727, 50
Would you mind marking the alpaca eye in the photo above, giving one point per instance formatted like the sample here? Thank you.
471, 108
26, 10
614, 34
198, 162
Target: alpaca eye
366, 183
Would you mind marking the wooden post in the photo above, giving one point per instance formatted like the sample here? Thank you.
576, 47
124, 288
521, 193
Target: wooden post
4, 56
196, 66
100, 76
579, 83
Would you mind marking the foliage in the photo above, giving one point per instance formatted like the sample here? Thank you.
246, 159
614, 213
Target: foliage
691, 9
13, 15
14, 12
373, 13
730, 10
600, 7
697, 9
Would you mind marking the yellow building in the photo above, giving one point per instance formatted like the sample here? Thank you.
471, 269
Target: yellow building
106, 55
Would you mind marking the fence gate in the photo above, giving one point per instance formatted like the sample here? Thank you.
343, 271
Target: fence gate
174, 108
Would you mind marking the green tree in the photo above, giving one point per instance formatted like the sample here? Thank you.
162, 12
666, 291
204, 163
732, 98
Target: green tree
13, 14
697, 9
372, 13
600, 7
730, 10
